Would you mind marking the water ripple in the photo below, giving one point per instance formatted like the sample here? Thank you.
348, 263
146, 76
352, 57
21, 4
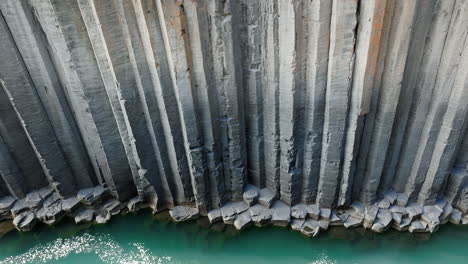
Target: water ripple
103, 246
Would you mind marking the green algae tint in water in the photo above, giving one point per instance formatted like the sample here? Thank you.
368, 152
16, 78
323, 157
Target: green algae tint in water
141, 239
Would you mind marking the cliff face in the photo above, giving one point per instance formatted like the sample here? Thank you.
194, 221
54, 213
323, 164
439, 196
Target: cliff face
356, 106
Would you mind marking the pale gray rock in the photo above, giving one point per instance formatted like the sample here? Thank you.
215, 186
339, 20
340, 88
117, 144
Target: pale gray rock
324, 223
383, 220
445, 216
6, 203
397, 218
102, 218
414, 210
418, 226
296, 224
84, 216
135, 204
230, 210
299, 211
431, 215
313, 211
357, 209
91, 196
456, 217
260, 215
70, 204
35, 199
281, 214
310, 228
352, 222
402, 199
112, 206
335, 220
384, 204
266, 197
391, 196
19, 207
370, 214
243, 221
183, 213
250, 195
215, 216
464, 220
25, 221
52, 199
398, 209
325, 214
403, 225
440, 205
342, 214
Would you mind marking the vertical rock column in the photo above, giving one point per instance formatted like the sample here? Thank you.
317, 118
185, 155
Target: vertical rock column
270, 75
173, 21
340, 69
228, 78
318, 31
422, 25
19, 17
17, 144
423, 89
444, 85
394, 65
10, 173
68, 71
205, 95
17, 85
290, 57
254, 96
369, 36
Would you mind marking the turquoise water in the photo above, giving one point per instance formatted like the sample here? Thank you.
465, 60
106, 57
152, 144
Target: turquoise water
140, 238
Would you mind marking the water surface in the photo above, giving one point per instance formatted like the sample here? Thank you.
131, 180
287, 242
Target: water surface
135, 239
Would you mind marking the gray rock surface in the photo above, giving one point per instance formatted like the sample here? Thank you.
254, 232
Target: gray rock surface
250, 195
243, 221
84, 216
310, 228
183, 213
281, 214
299, 211
260, 215
266, 197
215, 216
25, 221
230, 210
340, 112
